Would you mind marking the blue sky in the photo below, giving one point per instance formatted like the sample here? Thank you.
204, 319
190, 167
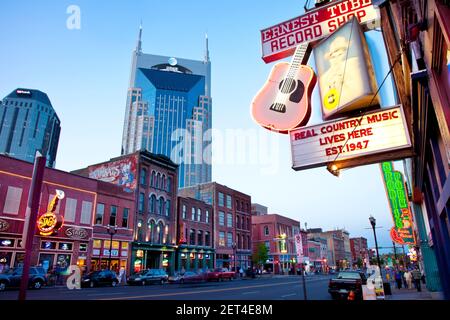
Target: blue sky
85, 72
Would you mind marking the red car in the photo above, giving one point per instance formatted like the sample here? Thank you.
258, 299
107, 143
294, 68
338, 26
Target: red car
219, 274
188, 276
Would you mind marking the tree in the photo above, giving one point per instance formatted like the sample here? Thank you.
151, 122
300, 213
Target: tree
261, 255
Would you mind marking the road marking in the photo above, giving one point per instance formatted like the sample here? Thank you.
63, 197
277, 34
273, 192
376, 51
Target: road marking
105, 294
199, 292
289, 295
250, 292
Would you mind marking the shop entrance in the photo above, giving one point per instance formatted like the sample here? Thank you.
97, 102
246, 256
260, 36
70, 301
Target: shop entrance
153, 260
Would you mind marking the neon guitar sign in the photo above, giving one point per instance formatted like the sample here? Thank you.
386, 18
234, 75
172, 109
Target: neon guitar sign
284, 102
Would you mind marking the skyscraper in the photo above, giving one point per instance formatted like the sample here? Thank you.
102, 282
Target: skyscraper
168, 112
29, 123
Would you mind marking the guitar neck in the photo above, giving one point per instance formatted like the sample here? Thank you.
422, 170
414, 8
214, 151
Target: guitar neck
298, 59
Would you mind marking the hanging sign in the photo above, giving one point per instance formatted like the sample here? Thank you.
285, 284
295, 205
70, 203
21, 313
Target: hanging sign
402, 232
280, 41
299, 247
352, 138
49, 223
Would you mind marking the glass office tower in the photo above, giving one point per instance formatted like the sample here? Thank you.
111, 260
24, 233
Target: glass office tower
28, 123
168, 112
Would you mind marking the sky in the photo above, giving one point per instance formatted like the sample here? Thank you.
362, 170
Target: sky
85, 72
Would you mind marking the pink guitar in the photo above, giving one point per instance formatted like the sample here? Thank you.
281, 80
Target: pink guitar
284, 102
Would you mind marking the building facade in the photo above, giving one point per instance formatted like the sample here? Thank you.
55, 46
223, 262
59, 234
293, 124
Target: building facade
359, 250
277, 233
81, 234
259, 209
337, 257
28, 123
417, 32
195, 235
152, 180
232, 232
169, 112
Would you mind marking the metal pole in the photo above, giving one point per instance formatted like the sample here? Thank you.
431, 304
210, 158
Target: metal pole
376, 247
30, 219
110, 248
395, 253
304, 282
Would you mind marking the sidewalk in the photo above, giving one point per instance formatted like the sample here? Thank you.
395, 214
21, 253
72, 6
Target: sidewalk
413, 294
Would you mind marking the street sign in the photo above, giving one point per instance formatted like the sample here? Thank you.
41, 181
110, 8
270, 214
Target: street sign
280, 41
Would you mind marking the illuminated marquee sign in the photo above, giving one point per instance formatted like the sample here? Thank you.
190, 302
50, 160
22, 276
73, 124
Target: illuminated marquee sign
299, 247
402, 232
4, 225
280, 41
121, 172
49, 223
374, 133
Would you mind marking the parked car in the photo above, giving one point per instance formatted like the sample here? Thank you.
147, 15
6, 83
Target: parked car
220, 274
346, 281
12, 278
100, 278
149, 276
188, 276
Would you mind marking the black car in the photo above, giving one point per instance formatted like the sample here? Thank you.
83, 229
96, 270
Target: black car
100, 278
345, 282
12, 278
149, 276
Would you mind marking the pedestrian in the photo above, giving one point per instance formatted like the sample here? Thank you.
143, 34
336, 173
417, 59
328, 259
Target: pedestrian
241, 272
398, 278
121, 276
416, 275
408, 278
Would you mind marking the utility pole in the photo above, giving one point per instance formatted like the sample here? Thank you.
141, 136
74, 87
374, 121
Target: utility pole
29, 227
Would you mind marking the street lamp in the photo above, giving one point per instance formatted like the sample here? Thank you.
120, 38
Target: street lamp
373, 223
234, 255
112, 230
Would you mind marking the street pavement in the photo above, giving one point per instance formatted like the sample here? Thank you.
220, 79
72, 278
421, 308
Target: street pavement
261, 288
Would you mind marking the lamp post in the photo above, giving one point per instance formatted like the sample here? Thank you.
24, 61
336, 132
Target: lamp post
112, 231
373, 223
234, 256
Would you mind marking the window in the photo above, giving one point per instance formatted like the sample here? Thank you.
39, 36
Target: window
158, 181
12, 202
169, 184
152, 204
249, 242
248, 224
152, 179
112, 217
83, 247
193, 214
237, 205
229, 239
161, 206
126, 212
243, 223
163, 182
184, 211
207, 238
221, 200
143, 177
199, 215
222, 238
71, 209
99, 214
192, 237
86, 209
229, 206
207, 216
141, 202
267, 244
200, 238
230, 220
266, 230
167, 208
221, 218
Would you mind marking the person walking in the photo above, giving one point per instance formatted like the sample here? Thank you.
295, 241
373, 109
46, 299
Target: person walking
398, 278
121, 277
417, 276
408, 279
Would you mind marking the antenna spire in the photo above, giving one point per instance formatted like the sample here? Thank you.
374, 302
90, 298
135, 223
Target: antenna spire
139, 42
207, 48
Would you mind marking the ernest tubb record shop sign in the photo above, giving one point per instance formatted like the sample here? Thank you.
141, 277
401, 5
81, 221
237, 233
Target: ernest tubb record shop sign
280, 41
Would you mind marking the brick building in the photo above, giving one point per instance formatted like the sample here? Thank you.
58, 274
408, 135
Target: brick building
195, 235
80, 236
359, 249
232, 232
277, 233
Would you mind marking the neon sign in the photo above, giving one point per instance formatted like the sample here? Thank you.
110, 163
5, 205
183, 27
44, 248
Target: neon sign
402, 232
49, 223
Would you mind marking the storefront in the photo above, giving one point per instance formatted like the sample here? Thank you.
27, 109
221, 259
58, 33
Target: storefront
11, 253
152, 256
194, 259
107, 255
